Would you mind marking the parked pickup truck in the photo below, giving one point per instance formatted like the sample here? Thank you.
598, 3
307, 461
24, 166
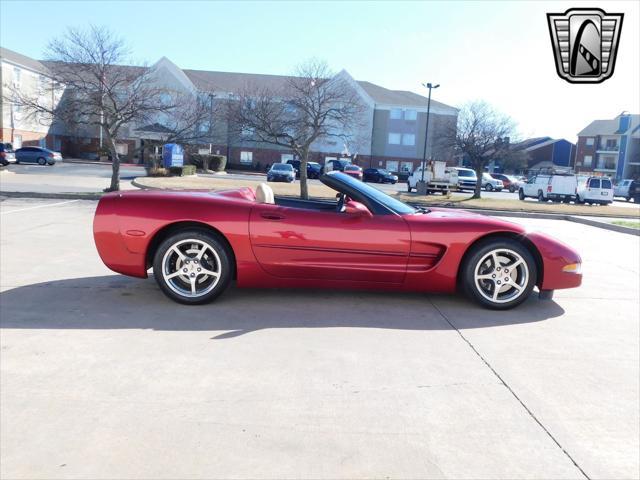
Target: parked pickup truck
437, 176
550, 186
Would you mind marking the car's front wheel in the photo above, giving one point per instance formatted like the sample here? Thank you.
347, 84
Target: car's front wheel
499, 273
193, 266
521, 194
408, 187
488, 187
42, 161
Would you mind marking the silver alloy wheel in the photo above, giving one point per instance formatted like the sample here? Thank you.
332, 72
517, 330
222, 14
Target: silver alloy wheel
501, 275
191, 268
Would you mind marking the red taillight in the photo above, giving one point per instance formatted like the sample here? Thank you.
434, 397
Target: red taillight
548, 188
3, 154
51, 155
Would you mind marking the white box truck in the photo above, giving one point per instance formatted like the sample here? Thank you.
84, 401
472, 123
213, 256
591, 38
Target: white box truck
437, 176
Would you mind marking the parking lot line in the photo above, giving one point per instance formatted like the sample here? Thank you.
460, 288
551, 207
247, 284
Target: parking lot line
38, 206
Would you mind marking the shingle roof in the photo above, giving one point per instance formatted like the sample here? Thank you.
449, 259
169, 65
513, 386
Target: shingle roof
398, 97
608, 127
234, 81
23, 60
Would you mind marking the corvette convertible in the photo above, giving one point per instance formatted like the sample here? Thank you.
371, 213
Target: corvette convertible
198, 242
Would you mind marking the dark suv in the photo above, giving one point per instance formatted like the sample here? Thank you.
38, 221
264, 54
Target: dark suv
337, 165
314, 169
7, 155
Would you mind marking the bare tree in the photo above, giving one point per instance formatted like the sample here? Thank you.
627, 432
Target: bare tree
482, 135
98, 91
313, 105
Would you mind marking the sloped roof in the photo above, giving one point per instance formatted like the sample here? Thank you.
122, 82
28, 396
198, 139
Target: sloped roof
22, 60
529, 142
608, 127
398, 97
550, 141
234, 81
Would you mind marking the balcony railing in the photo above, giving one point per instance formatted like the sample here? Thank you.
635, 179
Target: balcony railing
608, 148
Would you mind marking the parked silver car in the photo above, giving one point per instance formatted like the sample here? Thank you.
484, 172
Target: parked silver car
7, 155
621, 189
39, 155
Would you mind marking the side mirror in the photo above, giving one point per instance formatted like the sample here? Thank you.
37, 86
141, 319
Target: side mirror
356, 208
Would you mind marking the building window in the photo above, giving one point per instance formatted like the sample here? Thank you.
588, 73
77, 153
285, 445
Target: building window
246, 157
408, 139
248, 132
587, 160
122, 148
589, 142
406, 167
392, 165
204, 126
285, 157
394, 138
395, 114
17, 141
16, 76
410, 114
612, 144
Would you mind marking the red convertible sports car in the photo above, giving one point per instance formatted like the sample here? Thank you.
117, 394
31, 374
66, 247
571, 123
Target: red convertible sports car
197, 242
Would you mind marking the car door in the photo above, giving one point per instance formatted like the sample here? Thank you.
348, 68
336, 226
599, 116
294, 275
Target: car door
530, 188
593, 189
327, 245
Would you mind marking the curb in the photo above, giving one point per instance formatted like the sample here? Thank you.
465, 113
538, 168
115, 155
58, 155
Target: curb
64, 196
94, 162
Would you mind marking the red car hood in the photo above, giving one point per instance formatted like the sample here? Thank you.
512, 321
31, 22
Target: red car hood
464, 220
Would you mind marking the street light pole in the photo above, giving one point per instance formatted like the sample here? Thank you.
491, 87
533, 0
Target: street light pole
421, 188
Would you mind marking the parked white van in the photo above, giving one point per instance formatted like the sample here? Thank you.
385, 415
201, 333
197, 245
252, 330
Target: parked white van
550, 186
594, 190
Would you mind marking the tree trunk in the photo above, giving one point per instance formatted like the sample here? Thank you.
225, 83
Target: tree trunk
115, 164
304, 189
477, 191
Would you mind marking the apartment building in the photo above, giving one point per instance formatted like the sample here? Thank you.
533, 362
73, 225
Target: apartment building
610, 147
391, 132
18, 127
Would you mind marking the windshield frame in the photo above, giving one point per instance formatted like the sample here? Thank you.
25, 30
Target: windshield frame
378, 202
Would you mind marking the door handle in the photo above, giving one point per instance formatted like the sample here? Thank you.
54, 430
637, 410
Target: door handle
272, 216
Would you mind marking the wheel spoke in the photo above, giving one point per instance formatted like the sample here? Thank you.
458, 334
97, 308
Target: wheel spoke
515, 264
201, 252
205, 271
496, 290
486, 276
179, 253
193, 285
496, 261
174, 274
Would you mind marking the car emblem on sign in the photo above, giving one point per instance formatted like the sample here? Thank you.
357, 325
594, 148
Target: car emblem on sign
585, 43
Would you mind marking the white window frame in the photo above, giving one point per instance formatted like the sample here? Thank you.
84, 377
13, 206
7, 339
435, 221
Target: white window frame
246, 157
394, 136
587, 161
409, 139
17, 76
406, 167
395, 114
589, 142
285, 157
410, 114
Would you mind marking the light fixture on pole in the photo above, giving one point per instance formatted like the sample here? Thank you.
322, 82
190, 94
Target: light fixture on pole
421, 186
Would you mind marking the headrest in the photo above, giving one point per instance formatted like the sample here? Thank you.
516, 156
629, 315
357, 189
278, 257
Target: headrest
264, 194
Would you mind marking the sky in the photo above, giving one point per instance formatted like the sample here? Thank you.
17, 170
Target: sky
499, 52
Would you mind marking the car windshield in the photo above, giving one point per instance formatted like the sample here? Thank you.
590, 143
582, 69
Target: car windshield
352, 168
282, 166
370, 192
382, 171
466, 173
313, 164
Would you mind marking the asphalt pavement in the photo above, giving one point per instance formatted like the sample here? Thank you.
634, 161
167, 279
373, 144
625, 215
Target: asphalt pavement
103, 377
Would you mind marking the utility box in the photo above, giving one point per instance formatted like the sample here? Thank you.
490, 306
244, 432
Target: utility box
172, 155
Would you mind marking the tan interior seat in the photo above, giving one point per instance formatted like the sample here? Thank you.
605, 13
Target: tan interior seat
264, 194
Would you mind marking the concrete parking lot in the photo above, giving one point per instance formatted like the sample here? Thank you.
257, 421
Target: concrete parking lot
103, 377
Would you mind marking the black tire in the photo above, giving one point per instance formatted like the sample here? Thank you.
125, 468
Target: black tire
541, 196
488, 187
579, 200
42, 161
478, 252
512, 189
225, 266
408, 187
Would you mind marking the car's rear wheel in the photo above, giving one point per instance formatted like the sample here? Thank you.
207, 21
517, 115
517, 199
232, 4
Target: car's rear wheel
193, 266
499, 273
42, 161
512, 189
408, 187
521, 194
488, 187
541, 196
